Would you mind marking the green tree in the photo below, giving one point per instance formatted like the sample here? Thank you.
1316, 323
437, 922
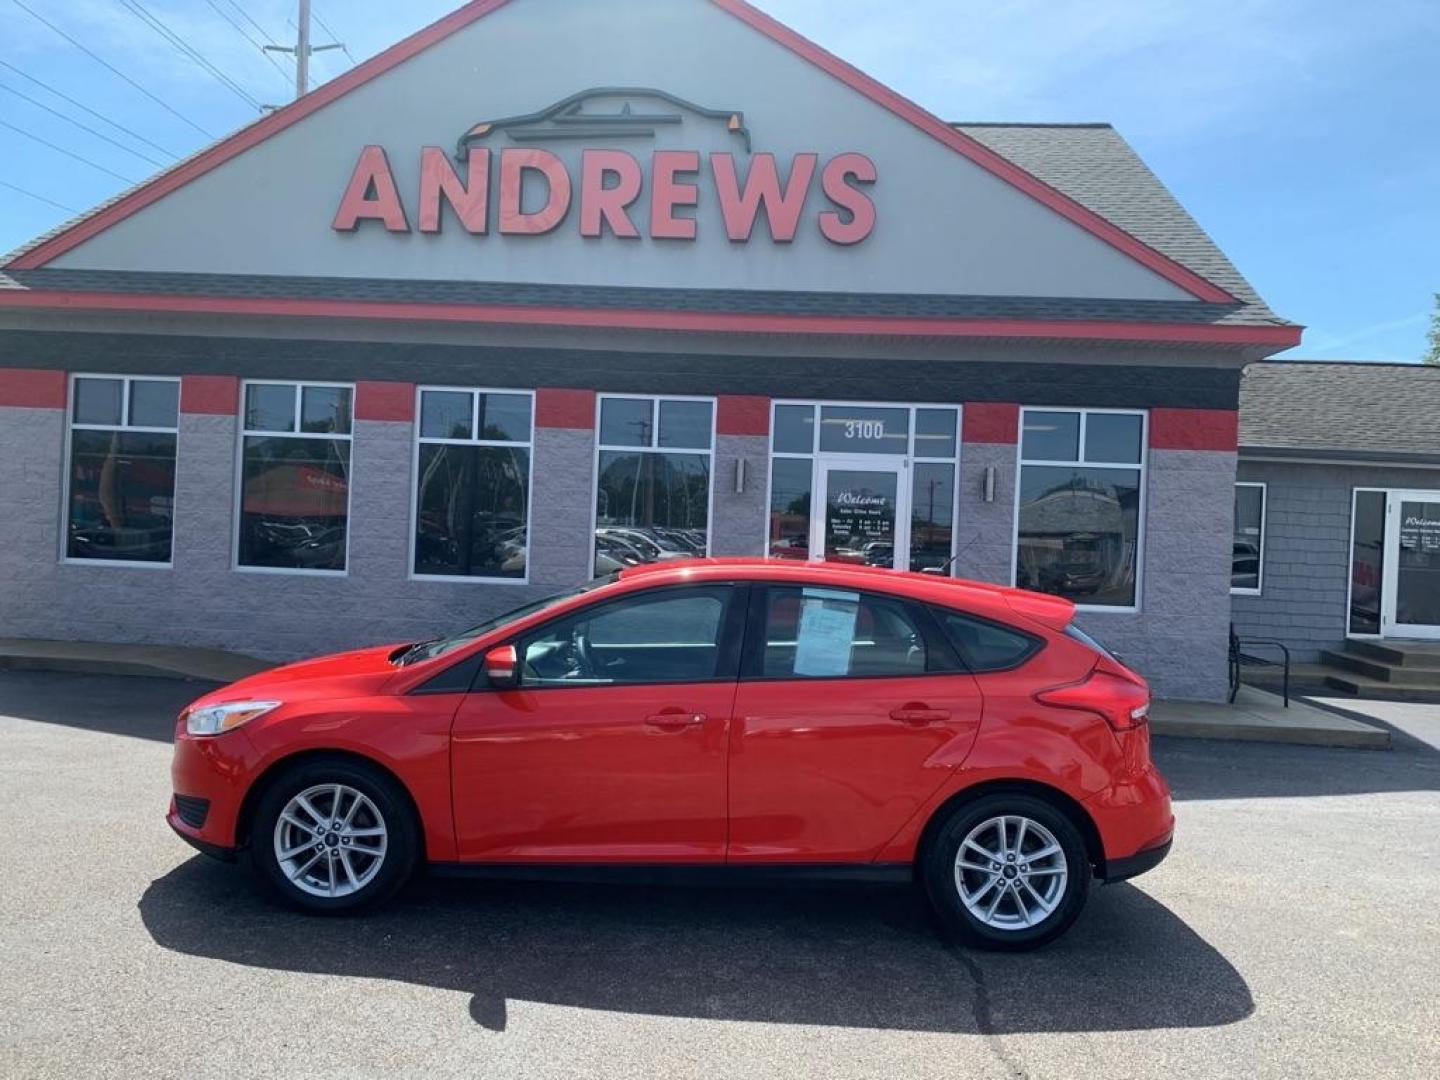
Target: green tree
1432, 339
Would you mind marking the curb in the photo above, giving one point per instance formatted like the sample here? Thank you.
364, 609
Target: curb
1371, 738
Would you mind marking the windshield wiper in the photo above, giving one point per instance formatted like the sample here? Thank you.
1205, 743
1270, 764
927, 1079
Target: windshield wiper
412, 652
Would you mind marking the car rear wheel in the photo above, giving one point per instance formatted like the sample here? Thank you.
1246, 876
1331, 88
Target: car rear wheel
332, 836
1007, 872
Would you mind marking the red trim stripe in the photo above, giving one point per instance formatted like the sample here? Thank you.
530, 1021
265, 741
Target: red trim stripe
210, 395
991, 422
1194, 429
32, 388
742, 414
559, 408
386, 401
628, 319
979, 153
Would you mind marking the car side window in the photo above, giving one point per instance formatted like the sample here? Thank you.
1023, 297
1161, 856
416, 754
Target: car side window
984, 645
673, 636
835, 633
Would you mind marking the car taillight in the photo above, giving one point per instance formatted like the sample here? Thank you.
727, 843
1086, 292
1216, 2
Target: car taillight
1120, 700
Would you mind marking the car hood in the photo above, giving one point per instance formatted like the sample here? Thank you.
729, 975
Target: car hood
345, 674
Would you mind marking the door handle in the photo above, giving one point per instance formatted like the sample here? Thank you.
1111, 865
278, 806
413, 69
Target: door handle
675, 719
915, 713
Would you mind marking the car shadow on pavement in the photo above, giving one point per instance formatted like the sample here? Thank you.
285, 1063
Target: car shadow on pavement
854, 957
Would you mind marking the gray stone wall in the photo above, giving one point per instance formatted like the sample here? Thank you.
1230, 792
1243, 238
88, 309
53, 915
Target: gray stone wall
985, 544
739, 520
1307, 550
1179, 638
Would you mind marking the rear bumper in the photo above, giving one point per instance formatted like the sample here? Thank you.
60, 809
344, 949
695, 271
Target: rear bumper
1135, 822
1133, 865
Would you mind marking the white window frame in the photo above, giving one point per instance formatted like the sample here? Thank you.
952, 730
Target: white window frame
71, 427
1142, 467
1355, 493
653, 448
817, 457
243, 432
508, 444
1264, 513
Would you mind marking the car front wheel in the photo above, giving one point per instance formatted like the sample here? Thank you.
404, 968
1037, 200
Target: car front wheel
332, 836
1007, 872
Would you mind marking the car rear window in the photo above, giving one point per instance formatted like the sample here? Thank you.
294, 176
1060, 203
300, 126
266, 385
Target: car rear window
984, 645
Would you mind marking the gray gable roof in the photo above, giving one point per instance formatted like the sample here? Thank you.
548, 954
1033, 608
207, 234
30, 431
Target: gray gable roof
1097, 168
1380, 412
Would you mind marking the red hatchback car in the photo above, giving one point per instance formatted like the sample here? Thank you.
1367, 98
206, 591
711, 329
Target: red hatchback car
744, 717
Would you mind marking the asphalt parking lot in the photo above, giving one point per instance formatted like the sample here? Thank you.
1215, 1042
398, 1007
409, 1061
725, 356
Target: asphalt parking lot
1294, 932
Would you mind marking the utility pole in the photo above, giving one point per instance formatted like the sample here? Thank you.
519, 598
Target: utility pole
302, 50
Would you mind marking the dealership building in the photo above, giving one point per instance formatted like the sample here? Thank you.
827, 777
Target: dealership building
552, 288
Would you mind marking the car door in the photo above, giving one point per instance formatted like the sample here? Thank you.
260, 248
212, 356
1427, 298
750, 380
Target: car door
612, 748
851, 712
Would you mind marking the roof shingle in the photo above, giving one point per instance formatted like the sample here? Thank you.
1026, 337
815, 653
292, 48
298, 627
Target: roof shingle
1366, 411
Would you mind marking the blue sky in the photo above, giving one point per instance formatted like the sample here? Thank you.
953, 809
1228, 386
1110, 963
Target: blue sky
1301, 133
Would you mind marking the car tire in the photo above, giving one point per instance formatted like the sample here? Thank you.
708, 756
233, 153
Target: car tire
372, 853
1042, 879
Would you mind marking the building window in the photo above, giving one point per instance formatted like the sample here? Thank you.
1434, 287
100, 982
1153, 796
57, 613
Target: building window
120, 485
472, 484
1079, 514
1247, 567
831, 446
652, 492
1367, 560
295, 477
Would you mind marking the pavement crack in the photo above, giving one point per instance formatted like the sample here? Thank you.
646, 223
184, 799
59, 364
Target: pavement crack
984, 1016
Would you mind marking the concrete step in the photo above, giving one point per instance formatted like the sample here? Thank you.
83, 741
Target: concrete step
1409, 654
1374, 668
1363, 686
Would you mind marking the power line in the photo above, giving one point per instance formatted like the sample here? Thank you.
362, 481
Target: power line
70, 154
246, 35
334, 37
189, 51
86, 108
42, 198
112, 68
83, 127
246, 16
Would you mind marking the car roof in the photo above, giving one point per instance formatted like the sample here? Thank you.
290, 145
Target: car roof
983, 598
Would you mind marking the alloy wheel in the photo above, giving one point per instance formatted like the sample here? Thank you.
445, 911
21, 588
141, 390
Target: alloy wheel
1011, 872
330, 840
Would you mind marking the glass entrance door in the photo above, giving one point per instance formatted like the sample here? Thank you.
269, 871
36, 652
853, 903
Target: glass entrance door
1412, 556
864, 514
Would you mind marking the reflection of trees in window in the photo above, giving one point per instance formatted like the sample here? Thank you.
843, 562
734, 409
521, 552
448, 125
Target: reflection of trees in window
471, 515
657, 489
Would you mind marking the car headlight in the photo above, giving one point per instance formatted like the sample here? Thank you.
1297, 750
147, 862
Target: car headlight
218, 719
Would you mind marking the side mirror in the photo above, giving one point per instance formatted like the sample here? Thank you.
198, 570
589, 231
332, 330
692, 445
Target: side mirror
502, 667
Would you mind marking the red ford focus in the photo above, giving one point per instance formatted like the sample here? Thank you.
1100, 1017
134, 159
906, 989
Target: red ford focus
741, 717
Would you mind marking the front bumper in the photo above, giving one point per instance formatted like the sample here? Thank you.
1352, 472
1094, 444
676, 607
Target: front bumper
210, 777
189, 835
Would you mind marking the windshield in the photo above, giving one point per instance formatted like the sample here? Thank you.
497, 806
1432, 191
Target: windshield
428, 650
